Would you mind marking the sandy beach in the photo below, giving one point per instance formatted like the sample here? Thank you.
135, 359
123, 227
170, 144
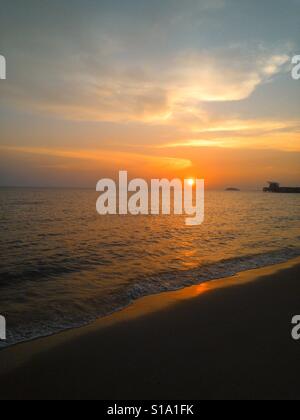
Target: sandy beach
226, 339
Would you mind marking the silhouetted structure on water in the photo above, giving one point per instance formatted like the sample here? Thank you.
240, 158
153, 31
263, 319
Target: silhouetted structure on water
274, 187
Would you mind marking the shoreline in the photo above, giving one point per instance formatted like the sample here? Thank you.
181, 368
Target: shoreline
26, 356
253, 266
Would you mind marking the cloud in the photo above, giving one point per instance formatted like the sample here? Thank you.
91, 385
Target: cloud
103, 84
132, 161
246, 135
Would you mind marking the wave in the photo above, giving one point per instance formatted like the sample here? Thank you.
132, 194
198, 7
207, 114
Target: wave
144, 286
224, 268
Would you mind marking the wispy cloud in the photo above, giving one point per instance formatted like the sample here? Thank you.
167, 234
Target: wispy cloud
147, 84
239, 133
115, 159
103, 87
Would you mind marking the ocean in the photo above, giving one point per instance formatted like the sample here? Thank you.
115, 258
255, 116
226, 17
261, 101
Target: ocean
63, 266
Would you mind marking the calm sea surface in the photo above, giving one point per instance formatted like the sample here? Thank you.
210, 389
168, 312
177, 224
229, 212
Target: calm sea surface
62, 265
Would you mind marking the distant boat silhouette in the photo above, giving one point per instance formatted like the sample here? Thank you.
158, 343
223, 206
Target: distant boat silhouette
274, 187
232, 189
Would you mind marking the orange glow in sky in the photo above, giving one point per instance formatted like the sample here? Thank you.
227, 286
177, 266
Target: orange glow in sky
106, 93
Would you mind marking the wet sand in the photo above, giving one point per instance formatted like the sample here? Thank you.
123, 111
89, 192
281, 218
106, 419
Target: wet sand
227, 339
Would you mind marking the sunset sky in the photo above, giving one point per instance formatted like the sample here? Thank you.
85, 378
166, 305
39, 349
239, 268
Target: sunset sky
175, 88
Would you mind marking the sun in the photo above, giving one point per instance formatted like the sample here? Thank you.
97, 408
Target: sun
191, 182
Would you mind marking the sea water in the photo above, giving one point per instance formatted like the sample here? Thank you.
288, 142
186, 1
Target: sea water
62, 265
